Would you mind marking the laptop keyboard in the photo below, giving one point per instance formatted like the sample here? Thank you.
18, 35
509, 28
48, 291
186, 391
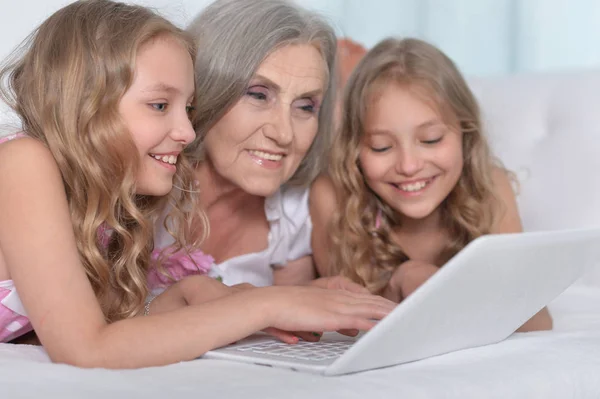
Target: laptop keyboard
303, 350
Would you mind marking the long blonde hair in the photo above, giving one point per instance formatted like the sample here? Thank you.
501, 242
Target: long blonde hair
65, 83
363, 251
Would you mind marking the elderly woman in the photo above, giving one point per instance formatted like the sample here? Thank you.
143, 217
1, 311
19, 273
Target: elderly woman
265, 83
264, 78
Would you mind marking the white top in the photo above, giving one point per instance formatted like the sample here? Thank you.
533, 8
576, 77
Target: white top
289, 239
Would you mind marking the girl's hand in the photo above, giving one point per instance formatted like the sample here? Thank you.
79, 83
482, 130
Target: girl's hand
339, 283
317, 309
292, 337
409, 276
335, 283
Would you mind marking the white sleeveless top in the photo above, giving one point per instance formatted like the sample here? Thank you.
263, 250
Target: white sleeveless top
289, 239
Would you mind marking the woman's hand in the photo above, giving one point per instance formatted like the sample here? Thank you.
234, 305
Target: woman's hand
409, 276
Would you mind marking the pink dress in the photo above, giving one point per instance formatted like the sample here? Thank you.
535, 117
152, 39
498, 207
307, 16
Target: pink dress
13, 318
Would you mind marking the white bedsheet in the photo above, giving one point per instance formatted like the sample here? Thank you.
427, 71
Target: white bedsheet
564, 363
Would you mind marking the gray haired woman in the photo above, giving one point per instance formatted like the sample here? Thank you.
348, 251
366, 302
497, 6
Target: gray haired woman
264, 78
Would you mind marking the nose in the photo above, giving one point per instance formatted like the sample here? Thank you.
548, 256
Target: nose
409, 161
279, 128
183, 131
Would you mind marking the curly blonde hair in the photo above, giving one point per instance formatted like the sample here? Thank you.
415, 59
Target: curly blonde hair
363, 251
66, 82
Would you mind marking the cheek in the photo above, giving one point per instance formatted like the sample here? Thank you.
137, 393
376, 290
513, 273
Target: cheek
373, 168
455, 159
217, 145
449, 157
305, 135
208, 144
231, 130
240, 124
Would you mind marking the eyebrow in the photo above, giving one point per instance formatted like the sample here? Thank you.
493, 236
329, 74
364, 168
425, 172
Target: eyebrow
164, 88
429, 123
422, 126
274, 86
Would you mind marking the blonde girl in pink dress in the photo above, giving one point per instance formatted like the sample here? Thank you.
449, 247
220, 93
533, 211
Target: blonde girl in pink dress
104, 91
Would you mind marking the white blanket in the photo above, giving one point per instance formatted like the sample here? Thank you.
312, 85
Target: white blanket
564, 363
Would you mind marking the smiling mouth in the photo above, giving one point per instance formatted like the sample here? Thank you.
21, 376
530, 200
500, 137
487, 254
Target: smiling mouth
414, 186
267, 156
168, 159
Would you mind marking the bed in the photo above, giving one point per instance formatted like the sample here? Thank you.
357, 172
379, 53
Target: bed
564, 363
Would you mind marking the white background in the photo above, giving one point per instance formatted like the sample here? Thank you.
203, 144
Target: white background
485, 37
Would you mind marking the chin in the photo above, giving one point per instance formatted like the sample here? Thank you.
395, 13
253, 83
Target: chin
261, 190
155, 191
418, 214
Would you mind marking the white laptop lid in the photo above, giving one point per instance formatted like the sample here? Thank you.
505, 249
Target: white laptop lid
481, 296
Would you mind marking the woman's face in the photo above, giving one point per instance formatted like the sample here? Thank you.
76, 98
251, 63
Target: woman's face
260, 142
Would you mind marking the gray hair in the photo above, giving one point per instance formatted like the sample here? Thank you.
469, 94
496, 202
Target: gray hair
233, 38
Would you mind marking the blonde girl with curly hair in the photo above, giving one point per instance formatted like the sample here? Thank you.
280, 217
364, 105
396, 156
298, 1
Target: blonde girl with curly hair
411, 178
104, 91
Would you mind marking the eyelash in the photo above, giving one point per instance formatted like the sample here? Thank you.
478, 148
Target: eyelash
154, 105
380, 149
432, 141
309, 108
257, 95
189, 109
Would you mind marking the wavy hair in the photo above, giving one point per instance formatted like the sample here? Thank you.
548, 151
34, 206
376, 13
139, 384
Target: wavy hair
65, 83
233, 38
363, 251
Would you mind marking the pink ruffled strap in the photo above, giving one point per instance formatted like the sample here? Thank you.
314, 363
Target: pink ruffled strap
178, 265
104, 235
12, 136
378, 218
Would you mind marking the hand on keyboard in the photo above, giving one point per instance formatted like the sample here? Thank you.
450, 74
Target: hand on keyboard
317, 309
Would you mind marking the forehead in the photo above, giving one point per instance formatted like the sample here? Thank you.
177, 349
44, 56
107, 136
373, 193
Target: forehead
164, 62
400, 105
417, 97
301, 64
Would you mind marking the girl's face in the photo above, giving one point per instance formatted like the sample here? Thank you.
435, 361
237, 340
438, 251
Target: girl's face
156, 109
259, 143
409, 156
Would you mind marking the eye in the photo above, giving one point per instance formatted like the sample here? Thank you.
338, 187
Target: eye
307, 105
308, 108
190, 109
380, 149
161, 107
257, 93
433, 134
432, 141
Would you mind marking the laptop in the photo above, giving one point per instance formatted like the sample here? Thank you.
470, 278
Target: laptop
479, 297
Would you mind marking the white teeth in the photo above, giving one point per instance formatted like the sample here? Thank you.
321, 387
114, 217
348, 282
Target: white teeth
266, 155
412, 186
170, 159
